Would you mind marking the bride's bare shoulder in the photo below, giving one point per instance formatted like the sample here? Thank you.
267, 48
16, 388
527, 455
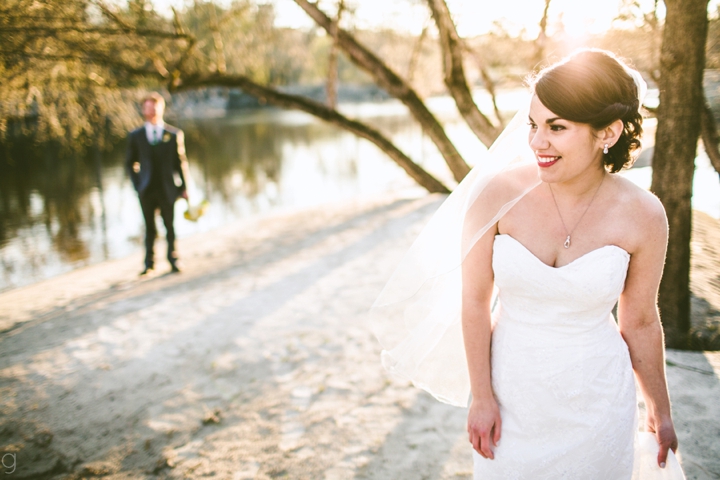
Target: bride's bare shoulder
638, 199
640, 208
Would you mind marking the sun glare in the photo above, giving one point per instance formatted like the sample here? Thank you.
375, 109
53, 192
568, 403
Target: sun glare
577, 18
517, 17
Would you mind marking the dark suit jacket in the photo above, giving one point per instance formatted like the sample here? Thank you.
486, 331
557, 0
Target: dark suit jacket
171, 156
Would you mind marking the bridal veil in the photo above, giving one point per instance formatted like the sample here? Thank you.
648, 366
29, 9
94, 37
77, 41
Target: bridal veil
416, 318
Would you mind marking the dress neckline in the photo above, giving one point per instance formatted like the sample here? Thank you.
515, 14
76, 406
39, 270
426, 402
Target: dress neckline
622, 250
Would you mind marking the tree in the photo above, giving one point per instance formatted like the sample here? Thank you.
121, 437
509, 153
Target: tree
384, 76
51, 90
97, 51
189, 75
394, 84
682, 61
130, 47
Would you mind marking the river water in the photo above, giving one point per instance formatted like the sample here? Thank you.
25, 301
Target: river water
59, 213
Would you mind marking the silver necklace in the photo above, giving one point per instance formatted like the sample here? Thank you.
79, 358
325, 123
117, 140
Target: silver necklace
566, 244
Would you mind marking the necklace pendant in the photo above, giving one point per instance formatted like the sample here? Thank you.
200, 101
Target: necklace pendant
567, 242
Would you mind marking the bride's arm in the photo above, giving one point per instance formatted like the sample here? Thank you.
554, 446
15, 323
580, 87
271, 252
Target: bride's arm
484, 422
640, 326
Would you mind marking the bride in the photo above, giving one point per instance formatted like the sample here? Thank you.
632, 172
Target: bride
518, 272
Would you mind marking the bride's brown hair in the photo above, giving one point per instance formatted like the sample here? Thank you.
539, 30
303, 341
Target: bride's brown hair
594, 87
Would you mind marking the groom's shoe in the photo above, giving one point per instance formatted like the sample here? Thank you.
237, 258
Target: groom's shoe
174, 267
147, 271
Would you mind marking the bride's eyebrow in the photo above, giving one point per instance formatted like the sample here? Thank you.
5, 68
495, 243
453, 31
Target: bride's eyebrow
548, 121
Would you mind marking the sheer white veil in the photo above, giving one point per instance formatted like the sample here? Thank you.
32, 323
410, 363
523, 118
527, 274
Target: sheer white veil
416, 318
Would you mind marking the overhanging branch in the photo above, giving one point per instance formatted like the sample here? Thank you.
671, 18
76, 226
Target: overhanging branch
93, 59
394, 85
284, 100
54, 29
710, 137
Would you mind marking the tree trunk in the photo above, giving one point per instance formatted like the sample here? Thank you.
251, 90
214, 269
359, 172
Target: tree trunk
284, 100
682, 60
392, 83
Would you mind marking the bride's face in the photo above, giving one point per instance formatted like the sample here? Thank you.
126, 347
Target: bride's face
563, 149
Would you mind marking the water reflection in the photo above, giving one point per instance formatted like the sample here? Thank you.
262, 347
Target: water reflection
43, 209
235, 158
59, 212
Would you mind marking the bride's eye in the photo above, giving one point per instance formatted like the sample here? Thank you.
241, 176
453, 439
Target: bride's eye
532, 125
556, 128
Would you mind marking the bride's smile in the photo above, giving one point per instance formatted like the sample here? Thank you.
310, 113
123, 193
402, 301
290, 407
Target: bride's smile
546, 161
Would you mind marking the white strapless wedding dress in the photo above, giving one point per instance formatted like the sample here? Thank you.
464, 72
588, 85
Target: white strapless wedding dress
562, 373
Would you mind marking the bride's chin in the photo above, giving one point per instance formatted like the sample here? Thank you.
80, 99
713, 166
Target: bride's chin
547, 176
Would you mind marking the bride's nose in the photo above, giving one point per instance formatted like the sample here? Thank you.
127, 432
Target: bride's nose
537, 140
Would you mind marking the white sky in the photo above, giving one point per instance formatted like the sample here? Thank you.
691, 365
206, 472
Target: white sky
473, 17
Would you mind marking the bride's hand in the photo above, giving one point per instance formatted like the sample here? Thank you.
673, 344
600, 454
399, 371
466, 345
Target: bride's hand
484, 425
664, 431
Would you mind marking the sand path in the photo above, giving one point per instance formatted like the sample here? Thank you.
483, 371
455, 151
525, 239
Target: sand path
255, 362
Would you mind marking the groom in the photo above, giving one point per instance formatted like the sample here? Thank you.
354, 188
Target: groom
157, 166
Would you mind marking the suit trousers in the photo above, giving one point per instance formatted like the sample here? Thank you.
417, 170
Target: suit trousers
152, 200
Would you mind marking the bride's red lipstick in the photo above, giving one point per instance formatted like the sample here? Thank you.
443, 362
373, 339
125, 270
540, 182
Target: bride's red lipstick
546, 161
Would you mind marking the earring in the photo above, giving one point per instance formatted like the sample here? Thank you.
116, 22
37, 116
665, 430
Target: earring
605, 149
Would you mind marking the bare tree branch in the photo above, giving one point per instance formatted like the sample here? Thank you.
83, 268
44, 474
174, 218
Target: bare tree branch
395, 86
176, 70
710, 137
332, 73
417, 48
541, 41
323, 112
177, 24
221, 64
154, 57
55, 29
490, 87
93, 59
455, 80
107, 11
488, 81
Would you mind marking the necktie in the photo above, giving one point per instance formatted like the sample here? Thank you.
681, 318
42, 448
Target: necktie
155, 136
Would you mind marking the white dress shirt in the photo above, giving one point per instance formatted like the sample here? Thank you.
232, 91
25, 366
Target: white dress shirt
156, 129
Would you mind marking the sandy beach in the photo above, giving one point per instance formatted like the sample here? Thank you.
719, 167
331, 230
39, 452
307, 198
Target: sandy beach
257, 362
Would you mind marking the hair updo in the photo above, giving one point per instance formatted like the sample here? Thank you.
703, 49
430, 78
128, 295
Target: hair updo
595, 87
